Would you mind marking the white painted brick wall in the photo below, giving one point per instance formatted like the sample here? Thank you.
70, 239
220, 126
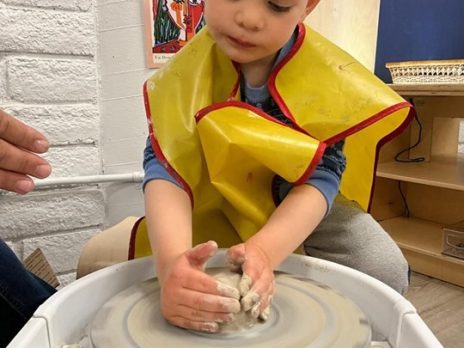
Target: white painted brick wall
48, 79
123, 70
77, 5
80, 120
74, 160
51, 80
66, 279
53, 211
28, 29
16, 247
3, 92
61, 249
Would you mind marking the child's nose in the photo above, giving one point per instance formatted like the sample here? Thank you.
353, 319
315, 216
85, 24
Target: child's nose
250, 19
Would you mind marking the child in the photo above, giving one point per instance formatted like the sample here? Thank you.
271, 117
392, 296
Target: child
275, 104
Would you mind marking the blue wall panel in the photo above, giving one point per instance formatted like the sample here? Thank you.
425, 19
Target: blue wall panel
419, 30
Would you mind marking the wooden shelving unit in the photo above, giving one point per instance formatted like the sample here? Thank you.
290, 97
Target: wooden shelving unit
440, 171
413, 201
429, 90
421, 243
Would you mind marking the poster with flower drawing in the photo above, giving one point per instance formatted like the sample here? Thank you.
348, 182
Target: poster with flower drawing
169, 25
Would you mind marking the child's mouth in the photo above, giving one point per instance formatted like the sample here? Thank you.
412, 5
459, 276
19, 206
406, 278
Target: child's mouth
240, 43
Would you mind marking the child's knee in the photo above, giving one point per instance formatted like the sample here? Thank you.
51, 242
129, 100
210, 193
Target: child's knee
394, 273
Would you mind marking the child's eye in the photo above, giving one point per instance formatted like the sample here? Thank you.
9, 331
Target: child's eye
277, 8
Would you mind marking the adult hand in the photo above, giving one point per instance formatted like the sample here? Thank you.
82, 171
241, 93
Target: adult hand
192, 299
257, 284
19, 144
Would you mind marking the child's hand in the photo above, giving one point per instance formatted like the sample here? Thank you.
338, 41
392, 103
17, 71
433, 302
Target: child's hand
194, 300
257, 283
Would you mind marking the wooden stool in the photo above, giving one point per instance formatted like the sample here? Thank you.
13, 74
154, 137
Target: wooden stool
106, 248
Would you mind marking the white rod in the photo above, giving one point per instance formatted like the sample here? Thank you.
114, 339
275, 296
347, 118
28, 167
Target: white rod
90, 179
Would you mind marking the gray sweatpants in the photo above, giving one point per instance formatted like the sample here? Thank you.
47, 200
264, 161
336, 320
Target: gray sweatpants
351, 237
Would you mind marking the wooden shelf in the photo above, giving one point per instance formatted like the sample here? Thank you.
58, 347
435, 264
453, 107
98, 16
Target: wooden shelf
436, 192
405, 232
446, 172
421, 243
428, 90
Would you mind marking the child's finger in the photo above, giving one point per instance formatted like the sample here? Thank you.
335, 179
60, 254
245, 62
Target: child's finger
245, 284
263, 287
197, 315
235, 256
205, 326
200, 254
250, 300
197, 303
262, 309
199, 281
264, 315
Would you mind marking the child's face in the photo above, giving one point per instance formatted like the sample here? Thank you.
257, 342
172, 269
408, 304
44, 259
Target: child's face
254, 30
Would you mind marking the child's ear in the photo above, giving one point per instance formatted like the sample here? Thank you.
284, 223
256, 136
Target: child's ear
310, 6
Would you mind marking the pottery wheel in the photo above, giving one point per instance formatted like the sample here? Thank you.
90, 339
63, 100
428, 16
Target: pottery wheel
303, 314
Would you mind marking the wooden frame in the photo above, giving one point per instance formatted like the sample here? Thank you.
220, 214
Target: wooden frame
169, 25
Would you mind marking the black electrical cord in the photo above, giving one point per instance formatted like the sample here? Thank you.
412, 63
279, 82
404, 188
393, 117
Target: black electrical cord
419, 138
405, 202
409, 160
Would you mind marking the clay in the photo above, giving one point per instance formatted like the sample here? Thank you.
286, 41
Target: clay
303, 314
244, 319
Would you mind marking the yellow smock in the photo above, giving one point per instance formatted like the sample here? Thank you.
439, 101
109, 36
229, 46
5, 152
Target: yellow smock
225, 153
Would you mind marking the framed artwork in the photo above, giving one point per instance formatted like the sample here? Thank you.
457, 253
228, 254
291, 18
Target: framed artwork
169, 25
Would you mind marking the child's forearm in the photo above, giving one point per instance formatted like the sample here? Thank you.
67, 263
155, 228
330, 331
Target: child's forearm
169, 220
291, 223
